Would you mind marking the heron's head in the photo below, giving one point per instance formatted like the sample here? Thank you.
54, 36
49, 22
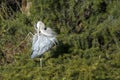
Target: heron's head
40, 25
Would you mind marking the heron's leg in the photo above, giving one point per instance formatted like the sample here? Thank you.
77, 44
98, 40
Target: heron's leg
41, 62
28, 35
31, 33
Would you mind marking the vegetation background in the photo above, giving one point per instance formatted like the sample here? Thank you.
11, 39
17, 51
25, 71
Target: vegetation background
88, 34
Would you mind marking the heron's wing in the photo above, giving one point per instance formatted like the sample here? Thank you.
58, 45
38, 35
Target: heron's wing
35, 38
48, 32
41, 45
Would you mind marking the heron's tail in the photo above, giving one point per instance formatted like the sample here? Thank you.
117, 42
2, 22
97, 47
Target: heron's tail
56, 42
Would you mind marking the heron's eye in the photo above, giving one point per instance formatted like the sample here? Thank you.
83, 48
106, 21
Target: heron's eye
45, 28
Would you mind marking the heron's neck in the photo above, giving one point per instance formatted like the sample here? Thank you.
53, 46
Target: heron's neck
38, 32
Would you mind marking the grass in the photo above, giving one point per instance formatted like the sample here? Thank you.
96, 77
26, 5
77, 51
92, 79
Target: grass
88, 35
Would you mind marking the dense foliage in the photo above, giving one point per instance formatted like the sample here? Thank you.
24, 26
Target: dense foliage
88, 34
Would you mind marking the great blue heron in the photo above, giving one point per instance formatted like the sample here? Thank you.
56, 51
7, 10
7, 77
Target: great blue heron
43, 40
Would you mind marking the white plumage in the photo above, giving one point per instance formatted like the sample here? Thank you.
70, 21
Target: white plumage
43, 40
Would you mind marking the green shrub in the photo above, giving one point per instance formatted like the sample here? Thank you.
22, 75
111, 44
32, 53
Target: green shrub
88, 34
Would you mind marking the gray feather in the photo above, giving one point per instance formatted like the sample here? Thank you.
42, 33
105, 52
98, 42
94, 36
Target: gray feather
41, 44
